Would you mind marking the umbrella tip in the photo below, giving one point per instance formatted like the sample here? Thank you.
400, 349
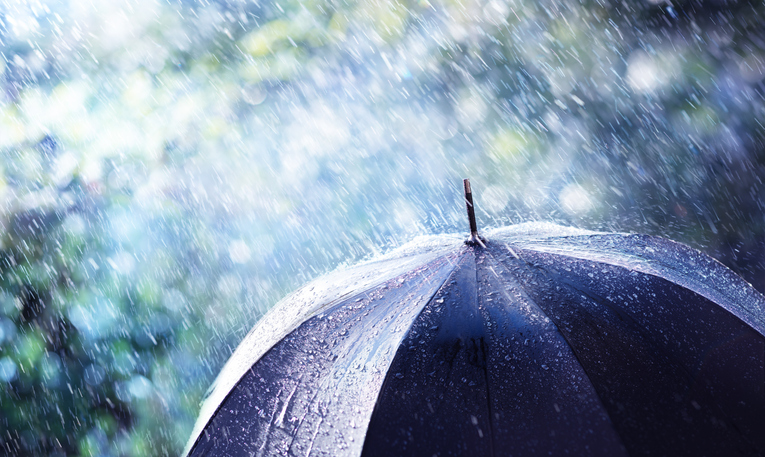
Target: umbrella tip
474, 237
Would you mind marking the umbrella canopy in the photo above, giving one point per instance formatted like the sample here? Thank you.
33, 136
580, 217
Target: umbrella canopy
537, 340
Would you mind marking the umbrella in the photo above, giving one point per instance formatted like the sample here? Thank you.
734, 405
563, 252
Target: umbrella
533, 339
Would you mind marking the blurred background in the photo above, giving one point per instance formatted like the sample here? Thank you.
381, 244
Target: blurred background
171, 169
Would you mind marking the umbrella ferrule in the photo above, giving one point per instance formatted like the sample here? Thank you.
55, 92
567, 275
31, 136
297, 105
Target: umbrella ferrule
474, 239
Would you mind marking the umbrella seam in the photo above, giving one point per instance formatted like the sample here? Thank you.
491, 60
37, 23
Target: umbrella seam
625, 314
640, 329
684, 368
691, 284
436, 289
335, 302
565, 340
459, 259
492, 426
323, 385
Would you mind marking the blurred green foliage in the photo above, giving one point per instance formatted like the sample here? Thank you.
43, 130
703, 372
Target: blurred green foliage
171, 169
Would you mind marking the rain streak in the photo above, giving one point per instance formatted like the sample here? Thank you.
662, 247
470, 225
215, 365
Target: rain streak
170, 170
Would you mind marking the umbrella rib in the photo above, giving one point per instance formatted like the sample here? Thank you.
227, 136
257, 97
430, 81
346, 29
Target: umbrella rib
321, 389
625, 316
563, 338
447, 275
458, 259
712, 292
210, 410
683, 367
196, 435
639, 328
488, 401
485, 351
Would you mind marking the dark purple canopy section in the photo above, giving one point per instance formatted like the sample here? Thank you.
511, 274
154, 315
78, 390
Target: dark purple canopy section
483, 372
546, 341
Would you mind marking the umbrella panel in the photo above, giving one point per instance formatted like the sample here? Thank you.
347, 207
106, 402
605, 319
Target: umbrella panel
313, 392
434, 400
483, 372
667, 362
309, 301
677, 263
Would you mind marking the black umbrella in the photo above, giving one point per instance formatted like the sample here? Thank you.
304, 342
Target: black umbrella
535, 340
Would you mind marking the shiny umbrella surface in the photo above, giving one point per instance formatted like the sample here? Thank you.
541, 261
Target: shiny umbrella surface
534, 340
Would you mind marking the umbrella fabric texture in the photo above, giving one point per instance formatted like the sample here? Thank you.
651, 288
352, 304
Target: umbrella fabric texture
542, 341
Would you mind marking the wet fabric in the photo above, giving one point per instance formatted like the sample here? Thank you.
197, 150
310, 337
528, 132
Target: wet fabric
545, 341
